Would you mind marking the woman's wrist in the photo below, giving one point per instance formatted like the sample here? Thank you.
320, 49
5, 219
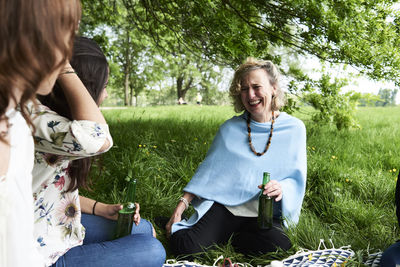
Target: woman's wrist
99, 209
185, 202
180, 208
94, 207
68, 71
66, 76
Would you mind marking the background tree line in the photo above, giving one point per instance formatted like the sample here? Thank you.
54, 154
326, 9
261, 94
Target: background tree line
161, 50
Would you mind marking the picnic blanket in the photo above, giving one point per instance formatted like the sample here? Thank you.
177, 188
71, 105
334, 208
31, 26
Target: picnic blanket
323, 256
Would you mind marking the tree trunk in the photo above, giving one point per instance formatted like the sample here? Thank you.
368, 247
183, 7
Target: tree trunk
206, 94
126, 87
182, 88
134, 100
188, 85
179, 85
127, 71
132, 93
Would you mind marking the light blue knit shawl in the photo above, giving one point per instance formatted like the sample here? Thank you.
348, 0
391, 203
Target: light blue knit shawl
231, 172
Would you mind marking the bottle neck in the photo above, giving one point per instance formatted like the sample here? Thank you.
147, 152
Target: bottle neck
129, 201
266, 178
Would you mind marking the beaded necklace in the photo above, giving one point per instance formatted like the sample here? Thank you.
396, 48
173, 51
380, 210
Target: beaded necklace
269, 138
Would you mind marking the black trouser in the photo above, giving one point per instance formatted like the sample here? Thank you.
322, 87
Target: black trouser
219, 224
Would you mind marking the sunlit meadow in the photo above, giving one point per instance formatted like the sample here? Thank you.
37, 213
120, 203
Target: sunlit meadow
350, 186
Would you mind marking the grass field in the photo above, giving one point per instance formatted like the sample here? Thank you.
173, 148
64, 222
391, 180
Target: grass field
351, 173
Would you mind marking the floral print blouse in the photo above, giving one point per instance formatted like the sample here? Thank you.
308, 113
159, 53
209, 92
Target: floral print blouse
57, 213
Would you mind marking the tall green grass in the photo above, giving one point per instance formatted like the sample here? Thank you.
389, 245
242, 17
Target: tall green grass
350, 186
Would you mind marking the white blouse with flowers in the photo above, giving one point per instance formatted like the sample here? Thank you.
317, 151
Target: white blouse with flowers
57, 214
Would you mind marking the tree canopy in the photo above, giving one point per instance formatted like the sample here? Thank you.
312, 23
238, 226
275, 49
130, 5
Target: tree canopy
363, 34
360, 33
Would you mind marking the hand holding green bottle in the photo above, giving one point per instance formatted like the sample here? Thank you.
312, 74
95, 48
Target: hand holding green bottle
270, 191
273, 189
126, 215
110, 211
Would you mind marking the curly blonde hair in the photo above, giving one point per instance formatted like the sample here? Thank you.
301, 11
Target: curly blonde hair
241, 72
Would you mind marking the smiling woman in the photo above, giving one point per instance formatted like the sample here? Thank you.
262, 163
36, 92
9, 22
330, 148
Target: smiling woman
261, 77
225, 188
257, 94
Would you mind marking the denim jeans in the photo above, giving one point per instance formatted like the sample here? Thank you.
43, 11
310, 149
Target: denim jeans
99, 250
391, 256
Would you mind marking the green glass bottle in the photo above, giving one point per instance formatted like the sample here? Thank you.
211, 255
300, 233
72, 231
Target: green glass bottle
265, 206
125, 216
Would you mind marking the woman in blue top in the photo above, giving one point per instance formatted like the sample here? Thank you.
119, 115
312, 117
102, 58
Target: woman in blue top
224, 190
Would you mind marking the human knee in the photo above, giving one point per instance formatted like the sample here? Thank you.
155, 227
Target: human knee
145, 227
151, 253
154, 248
182, 244
255, 244
156, 252
143, 250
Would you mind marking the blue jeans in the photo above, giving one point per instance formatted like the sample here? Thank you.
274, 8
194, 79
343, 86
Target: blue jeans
99, 250
391, 256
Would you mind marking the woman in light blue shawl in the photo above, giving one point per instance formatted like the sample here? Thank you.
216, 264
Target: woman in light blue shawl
225, 188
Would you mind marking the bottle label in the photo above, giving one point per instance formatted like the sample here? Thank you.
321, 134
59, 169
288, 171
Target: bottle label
130, 205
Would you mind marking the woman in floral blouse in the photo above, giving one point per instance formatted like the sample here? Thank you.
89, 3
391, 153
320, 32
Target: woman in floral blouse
71, 230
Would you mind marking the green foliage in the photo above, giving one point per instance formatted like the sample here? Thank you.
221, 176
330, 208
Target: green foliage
387, 97
158, 48
350, 181
333, 107
145, 62
367, 99
360, 33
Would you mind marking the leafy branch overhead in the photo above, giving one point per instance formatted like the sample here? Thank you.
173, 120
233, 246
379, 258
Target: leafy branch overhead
360, 33
155, 38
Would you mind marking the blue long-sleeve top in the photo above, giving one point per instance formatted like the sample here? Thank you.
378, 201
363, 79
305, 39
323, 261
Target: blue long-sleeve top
230, 173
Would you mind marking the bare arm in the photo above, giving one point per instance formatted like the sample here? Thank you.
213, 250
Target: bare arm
82, 105
87, 204
109, 211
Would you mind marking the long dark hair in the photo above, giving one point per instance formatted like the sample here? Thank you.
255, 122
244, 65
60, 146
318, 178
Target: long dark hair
30, 34
91, 66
